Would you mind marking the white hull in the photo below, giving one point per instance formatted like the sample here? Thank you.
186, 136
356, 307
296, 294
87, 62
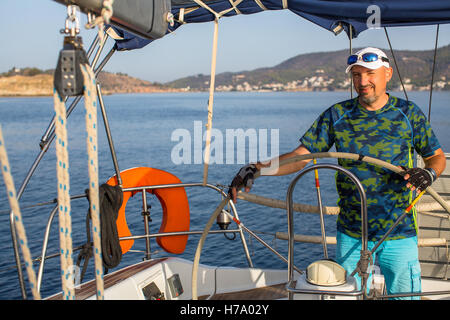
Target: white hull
217, 283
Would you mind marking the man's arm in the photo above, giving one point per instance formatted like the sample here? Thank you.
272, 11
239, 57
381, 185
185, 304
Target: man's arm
288, 168
436, 162
271, 168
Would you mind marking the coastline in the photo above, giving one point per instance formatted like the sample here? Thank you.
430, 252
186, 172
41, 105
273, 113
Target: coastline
109, 93
41, 85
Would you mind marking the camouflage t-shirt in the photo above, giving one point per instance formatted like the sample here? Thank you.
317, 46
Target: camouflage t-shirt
391, 134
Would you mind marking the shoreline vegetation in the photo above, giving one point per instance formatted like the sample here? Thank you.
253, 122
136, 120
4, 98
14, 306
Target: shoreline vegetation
40, 83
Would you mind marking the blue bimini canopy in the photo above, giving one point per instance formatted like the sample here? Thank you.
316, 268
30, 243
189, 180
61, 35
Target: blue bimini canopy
333, 15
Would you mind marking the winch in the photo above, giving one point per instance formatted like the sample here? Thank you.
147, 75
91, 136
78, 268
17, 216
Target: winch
325, 279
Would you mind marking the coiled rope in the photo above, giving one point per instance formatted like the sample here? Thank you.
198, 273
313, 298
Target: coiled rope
20, 228
336, 155
111, 198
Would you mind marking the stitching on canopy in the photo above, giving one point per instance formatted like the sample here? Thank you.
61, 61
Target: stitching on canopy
203, 5
181, 16
234, 6
260, 4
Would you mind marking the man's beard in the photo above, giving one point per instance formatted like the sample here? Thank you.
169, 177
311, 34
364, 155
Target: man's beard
368, 100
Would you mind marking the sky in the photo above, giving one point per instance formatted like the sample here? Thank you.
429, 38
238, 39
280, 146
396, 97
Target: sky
30, 35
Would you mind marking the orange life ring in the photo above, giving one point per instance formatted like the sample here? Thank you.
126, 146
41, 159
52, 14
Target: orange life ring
174, 203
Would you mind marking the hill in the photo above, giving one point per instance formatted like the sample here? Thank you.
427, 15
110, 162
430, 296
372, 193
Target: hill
324, 71
321, 71
36, 82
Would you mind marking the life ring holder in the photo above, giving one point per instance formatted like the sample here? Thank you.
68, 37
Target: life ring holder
174, 203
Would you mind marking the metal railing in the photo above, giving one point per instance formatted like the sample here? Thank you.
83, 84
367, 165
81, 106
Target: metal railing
290, 287
147, 235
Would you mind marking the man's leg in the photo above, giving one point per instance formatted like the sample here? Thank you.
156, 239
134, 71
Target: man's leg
348, 253
399, 263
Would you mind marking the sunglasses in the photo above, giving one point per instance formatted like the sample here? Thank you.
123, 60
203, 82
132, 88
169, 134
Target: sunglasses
366, 57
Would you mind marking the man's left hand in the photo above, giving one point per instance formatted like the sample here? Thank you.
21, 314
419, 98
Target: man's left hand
418, 179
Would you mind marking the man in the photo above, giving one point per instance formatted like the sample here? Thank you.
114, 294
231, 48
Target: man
382, 126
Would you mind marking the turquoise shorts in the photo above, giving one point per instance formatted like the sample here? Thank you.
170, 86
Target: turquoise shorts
398, 261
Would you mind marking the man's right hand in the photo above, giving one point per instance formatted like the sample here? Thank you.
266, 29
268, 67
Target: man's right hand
244, 178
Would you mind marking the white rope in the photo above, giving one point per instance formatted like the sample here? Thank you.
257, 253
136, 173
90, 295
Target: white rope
234, 6
281, 204
421, 242
181, 16
260, 4
210, 102
306, 208
91, 128
218, 15
63, 186
62, 169
20, 228
205, 6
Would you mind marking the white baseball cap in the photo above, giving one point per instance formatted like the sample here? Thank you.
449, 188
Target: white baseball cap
371, 58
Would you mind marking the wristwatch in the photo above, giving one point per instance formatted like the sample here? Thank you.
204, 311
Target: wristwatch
432, 174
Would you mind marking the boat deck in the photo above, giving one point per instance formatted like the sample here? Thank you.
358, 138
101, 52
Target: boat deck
273, 292
88, 289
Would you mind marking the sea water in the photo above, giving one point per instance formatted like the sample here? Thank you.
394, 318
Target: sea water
144, 130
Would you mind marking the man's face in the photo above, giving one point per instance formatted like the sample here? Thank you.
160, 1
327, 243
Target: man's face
370, 84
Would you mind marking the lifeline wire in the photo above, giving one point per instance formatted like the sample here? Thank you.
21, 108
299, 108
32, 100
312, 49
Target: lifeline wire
12, 198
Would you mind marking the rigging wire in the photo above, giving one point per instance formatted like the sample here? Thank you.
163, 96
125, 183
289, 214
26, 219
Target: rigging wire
432, 73
350, 49
395, 62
